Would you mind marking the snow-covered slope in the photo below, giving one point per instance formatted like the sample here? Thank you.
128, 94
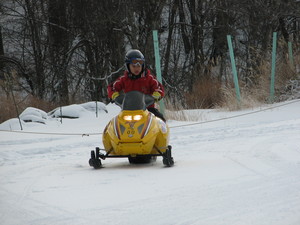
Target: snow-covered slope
239, 171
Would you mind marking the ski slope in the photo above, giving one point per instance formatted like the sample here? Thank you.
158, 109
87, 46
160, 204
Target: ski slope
243, 170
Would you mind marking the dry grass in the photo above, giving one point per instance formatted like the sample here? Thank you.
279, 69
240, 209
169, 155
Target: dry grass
178, 112
231, 103
8, 109
211, 93
178, 115
259, 93
206, 93
174, 111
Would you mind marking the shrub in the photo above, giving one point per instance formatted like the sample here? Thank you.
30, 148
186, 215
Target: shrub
8, 108
206, 93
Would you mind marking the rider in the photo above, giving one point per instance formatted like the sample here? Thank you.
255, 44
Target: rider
137, 78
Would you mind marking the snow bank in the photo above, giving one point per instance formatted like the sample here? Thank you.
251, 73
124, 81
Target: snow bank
12, 124
31, 116
76, 111
71, 111
94, 106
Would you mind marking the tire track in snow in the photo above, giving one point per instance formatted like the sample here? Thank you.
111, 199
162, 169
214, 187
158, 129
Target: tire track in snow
256, 199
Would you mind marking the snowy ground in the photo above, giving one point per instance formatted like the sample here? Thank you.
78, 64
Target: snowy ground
239, 171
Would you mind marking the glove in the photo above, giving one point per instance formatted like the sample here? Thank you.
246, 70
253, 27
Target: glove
115, 95
156, 95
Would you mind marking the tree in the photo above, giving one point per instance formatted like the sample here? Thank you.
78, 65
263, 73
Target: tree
71, 50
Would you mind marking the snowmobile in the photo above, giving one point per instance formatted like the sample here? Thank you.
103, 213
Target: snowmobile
135, 133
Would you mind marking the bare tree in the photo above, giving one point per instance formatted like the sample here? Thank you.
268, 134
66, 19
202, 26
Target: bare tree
71, 50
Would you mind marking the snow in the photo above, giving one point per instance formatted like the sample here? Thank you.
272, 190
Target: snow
240, 170
32, 114
75, 111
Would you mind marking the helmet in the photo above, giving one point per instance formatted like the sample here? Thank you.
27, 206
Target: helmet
134, 54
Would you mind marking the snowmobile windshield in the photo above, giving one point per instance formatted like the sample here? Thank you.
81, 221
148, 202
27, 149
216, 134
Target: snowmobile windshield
135, 100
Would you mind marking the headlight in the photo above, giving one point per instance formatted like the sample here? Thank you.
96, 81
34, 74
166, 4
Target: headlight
137, 117
127, 118
130, 117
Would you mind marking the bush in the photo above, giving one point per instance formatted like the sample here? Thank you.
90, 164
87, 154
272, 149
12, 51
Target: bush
206, 93
8, 109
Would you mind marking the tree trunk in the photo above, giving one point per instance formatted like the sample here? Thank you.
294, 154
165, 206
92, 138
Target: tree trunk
1, 54
35, 30
59, 46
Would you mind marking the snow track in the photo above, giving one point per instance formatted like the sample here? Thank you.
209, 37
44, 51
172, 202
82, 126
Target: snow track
241, 171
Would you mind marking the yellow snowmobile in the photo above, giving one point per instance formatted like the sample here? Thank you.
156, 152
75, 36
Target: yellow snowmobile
135, 133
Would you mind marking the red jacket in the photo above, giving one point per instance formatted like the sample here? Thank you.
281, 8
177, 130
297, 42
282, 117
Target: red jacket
147, 84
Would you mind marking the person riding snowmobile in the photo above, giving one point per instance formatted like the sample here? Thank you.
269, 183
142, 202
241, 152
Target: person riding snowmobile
137, 78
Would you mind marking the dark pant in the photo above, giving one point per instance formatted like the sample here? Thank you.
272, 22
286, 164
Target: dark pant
157, 113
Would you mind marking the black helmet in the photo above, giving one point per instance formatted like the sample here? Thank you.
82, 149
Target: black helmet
134, 54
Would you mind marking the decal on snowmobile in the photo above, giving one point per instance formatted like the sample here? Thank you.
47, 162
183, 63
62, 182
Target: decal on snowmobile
148, 124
